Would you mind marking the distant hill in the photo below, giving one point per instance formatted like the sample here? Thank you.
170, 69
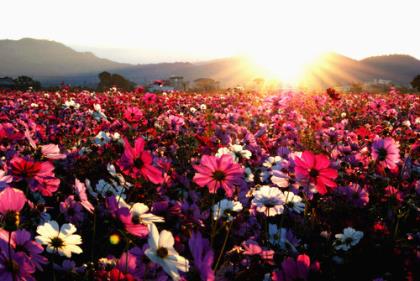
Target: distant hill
52, 62
43, 58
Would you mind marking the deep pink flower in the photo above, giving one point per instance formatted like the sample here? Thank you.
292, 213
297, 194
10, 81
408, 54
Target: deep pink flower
386, 151
316, 169
137, 162
131, 225
133, 114
219, 172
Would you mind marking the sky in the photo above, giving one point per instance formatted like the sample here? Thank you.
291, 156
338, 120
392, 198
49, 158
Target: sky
140, 31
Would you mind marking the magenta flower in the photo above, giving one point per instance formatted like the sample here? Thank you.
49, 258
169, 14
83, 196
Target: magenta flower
219, 172
386, 151
316, 169
137, 162
293, 269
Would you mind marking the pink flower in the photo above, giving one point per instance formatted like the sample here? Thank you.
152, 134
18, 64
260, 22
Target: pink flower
386, 151
4, 180
52, 151
316, 168
215, 173
11, 200
137, 162
81, 192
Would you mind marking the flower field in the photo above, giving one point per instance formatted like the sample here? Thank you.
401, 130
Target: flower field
228, 186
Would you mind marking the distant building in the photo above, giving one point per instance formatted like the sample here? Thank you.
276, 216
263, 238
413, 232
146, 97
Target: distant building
7, 83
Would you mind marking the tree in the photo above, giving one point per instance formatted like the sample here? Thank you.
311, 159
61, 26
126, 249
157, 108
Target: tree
206, 84
108, 80
416, 83
24, 83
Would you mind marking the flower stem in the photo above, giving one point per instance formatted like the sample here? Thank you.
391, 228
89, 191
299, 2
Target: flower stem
223, 247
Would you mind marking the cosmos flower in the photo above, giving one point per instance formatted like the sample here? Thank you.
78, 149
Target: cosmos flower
38, 175
52, 151
12, 201
316, 169
136, 218
349, 238
386, 151
22, 242
14, 265
133, 114
4, 179
202, 256
59, 240
236, 151
161, 251
294, 202
225, 209
268, 200
293, 269
216, 173
137, 162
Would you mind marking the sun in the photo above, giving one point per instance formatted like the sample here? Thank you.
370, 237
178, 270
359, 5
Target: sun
285, 64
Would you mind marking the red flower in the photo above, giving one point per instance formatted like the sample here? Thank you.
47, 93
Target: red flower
137, 162
316, 168
133, 114
216, 173
38, 175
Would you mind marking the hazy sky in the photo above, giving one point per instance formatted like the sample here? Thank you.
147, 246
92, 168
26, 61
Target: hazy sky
157, 30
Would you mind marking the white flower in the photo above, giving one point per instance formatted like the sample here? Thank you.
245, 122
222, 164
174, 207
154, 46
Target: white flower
116, 136
222, 151
294, 202
193, 110
249, 176
268, 200
102, 138
161, 251
347, 239
34, 105
224, 209
406, 123
98, 114
71, 104
62, 241
203, 107
139, 213
279, 178
240, 152
236, 151
270, 161
105, 189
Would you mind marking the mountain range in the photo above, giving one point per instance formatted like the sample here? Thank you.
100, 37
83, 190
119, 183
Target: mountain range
52, 63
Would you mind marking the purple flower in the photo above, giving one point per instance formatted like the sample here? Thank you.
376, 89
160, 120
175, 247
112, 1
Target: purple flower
14, 265
31, 249
202, 255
